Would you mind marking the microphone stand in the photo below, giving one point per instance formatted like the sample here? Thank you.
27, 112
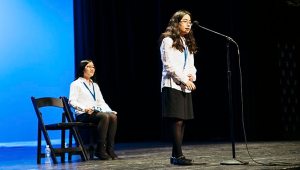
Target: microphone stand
233, 161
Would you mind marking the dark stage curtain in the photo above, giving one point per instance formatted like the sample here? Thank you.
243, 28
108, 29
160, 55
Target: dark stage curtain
122, 41
121, 37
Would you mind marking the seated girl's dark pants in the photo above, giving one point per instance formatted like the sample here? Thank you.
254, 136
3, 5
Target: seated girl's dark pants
106, 129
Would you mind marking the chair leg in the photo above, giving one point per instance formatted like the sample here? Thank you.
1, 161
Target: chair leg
62, 145
84, 155
39, 146
48, 142
70, 145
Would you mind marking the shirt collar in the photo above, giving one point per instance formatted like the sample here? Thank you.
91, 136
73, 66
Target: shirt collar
84, 80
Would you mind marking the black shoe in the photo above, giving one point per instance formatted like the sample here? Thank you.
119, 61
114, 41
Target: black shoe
188, 159
101, 152
112, 154
180, 161
172, 160
102, 155
183, 157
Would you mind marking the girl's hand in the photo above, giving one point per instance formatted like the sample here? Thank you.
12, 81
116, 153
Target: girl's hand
190, 77
89, 110
190, 85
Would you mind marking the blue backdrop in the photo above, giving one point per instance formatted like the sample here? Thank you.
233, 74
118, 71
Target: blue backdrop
37, 59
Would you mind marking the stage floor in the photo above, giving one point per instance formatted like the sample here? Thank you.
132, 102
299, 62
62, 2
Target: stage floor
155, 155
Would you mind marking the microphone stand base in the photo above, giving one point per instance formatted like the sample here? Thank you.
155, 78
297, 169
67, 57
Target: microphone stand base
234, 162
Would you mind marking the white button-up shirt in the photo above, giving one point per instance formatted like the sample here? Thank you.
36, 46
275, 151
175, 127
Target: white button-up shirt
81, 97
176, 66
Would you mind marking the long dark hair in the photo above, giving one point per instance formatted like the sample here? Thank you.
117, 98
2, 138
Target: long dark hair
173, 32
81, 67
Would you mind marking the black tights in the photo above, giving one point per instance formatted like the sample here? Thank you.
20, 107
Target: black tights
177, 131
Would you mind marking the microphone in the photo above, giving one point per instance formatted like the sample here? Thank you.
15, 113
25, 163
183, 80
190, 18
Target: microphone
196, 22
227, 37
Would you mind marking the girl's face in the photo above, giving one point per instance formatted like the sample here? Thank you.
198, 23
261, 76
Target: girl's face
89, 70
185, 25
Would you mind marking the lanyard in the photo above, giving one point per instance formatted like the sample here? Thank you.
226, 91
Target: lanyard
92, 93
185, 56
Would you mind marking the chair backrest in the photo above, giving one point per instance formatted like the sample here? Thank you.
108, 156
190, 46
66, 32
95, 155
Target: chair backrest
47, 101
69, 112
50, 107
39, 103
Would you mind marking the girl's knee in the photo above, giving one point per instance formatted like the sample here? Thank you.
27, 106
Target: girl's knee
113, 116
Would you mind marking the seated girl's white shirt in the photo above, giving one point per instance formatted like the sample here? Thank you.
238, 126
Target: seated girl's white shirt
80, 97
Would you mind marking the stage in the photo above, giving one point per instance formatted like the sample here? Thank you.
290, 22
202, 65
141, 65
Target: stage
155, 155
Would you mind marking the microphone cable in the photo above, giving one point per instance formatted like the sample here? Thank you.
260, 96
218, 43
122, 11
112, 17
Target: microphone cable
277, 163
242, 102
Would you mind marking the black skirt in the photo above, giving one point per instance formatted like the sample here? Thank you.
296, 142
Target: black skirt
177, 104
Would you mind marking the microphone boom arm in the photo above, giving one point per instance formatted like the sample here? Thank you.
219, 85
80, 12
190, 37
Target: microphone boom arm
227, 37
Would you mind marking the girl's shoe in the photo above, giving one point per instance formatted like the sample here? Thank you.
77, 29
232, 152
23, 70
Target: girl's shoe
180, 161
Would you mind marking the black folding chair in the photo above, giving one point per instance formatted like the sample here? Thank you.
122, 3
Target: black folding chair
63, 125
